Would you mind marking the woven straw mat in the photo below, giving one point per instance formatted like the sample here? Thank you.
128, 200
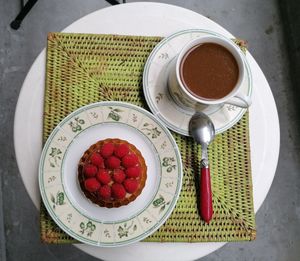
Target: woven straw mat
84, 68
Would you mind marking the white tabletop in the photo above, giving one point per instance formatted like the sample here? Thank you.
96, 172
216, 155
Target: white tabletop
151, 19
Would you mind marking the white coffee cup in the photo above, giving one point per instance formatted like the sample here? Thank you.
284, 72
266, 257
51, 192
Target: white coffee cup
186, 99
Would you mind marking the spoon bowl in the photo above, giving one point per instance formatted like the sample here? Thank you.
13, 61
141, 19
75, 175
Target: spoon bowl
202, 128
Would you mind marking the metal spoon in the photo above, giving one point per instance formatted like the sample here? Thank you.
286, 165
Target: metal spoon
203, 131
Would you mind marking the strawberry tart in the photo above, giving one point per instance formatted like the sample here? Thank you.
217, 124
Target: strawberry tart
112, 173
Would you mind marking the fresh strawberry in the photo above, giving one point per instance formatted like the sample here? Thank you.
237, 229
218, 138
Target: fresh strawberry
133, 172
112, 162
118, 175
129, 160
103, 176
105, 192
130, 185
107, 149
121, 150
97, 160
92, 184
118, 191
90, 170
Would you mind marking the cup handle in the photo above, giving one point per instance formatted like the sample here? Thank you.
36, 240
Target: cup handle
240, 100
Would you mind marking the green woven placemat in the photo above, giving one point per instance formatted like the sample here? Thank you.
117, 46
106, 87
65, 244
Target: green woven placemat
82, 69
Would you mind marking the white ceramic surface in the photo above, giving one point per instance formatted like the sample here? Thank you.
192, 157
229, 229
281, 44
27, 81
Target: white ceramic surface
161, 20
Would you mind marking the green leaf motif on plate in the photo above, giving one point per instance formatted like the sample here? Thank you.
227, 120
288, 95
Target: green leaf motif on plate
106, 233
76, 124
51, 179
124, 231
231, 108
168, 162
163, 56
159, 97
114, 114
87, 228
163, 145
160, 203
57, 200
169, 184
151, 130
134, 117
54, 157
94, 115
62, 138
69, 217
147, 220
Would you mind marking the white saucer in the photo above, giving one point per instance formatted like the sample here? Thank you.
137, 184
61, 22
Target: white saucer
157, 94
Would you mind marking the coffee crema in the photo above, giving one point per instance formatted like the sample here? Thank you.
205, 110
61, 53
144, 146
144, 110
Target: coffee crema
209, 71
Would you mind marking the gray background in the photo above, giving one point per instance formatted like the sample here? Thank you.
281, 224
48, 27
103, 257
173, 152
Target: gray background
269, 34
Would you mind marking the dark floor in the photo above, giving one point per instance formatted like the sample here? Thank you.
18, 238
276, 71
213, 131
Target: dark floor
259, 22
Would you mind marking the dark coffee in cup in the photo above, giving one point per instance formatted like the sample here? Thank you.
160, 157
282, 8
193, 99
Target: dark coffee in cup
209, 71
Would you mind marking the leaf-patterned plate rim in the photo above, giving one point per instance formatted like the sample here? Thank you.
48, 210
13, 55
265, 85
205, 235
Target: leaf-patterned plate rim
143, 233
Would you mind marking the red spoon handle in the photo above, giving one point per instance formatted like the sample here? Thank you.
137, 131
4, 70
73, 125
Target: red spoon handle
206, 207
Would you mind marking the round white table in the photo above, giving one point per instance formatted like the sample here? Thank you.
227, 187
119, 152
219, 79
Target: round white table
151, 19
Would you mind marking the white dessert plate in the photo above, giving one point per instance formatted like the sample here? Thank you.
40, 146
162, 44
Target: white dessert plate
62, 195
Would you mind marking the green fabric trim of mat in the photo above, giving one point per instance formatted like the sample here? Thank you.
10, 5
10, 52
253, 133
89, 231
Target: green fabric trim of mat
85, 68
